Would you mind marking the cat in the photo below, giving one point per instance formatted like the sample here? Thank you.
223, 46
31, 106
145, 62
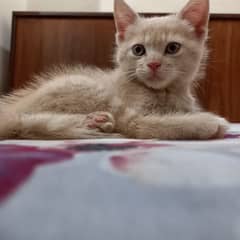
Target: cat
149, 94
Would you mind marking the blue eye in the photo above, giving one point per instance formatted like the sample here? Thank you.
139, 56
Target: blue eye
138, 50
173, 48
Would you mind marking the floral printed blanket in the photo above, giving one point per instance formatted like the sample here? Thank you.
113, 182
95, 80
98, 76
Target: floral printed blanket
120, 189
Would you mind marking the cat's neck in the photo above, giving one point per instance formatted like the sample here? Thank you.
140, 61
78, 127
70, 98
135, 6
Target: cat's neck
174, 98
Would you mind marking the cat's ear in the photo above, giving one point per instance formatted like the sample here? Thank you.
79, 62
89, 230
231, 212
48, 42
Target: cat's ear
124, 16
196, 12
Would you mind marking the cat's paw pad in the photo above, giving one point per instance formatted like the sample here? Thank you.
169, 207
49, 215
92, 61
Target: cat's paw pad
101, 120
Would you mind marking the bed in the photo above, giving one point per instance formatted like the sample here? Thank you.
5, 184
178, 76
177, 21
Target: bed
119, 188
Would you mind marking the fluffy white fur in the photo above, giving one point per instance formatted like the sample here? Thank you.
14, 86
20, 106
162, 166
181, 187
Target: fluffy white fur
132, 100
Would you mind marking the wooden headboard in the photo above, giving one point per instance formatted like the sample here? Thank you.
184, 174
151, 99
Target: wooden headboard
41, 40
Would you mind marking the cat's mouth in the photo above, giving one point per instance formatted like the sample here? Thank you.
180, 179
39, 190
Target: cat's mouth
156, 81
153, 80
154, 77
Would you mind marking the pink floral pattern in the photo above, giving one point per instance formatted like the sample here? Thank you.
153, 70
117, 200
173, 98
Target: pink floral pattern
17, 164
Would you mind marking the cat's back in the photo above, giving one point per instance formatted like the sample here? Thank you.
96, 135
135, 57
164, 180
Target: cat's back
68, 81
57, 77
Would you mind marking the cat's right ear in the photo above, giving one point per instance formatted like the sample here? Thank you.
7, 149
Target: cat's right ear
196, 12
124, 16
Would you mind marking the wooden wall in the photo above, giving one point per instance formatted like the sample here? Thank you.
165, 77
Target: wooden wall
41, 40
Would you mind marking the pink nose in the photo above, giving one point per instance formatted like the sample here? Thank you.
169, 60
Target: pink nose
154, 65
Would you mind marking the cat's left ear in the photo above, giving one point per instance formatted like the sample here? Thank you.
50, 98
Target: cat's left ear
124, 16
196, 12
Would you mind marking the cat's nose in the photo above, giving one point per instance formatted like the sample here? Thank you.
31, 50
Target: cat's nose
154, 66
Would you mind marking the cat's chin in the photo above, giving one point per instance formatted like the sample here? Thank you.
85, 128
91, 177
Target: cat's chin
155, 83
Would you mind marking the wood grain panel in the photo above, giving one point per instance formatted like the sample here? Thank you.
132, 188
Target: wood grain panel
42, 43
41, 40
219, 91
215, 90
234, 73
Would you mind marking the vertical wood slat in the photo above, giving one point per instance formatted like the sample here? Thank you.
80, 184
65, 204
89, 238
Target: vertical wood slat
43, 40
216, 85
234, 91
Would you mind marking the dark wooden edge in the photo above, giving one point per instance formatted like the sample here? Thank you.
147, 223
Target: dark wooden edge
12, 52
105, 14
94, 15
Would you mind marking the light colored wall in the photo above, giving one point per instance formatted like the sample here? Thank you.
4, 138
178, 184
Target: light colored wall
6, 8
217, 6
63, 5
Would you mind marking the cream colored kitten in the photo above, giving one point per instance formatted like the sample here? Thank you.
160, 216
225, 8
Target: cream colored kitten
148, 94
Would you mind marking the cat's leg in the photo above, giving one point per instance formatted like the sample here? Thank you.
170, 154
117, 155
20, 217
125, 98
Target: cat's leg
56, 126
199, 126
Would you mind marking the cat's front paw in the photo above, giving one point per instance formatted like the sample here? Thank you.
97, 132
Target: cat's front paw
101, 120
211, 126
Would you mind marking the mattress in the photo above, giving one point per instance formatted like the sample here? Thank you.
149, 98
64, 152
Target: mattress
115, 189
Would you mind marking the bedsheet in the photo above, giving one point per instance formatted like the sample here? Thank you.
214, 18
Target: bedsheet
120, 189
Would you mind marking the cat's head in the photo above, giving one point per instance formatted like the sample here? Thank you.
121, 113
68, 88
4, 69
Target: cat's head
161, 51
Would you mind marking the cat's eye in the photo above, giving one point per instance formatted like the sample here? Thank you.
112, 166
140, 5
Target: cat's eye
138, 50
173, 48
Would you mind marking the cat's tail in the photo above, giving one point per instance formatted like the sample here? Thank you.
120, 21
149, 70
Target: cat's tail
47, 126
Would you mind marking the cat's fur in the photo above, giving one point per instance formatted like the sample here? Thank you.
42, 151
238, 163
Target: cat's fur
132, 100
